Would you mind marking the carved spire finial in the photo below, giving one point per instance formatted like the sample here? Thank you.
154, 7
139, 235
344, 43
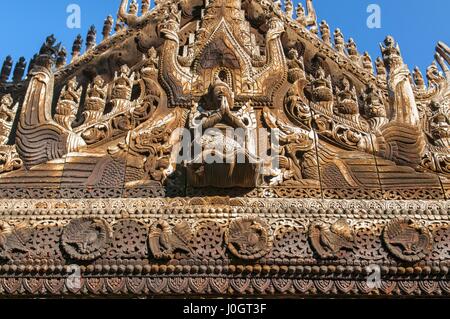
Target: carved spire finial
134, 7
107, 27
19, 70
145, 6
61, 59
76, 48
325, 32
339, 42
91, 38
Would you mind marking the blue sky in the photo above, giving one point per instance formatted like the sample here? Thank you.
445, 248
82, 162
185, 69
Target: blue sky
416, 24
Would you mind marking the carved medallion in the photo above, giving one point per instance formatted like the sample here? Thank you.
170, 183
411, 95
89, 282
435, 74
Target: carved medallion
407, 240
86, 238
329, 240
248, 238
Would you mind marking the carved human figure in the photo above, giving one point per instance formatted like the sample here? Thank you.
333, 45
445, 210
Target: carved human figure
6, 69
68, 104
39, 137
289, 6
296, 66
218, 106
347, 99
122, 89
307, 20
297, 108
19, 70
95, 100
107, 27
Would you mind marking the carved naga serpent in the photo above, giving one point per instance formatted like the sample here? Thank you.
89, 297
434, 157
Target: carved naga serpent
39, 138
402, 139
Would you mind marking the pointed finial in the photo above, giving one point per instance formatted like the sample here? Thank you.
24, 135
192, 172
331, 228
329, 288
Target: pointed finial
6, 69
107, 27
19, 70
145, 6
76, 48
61, 59
91, 39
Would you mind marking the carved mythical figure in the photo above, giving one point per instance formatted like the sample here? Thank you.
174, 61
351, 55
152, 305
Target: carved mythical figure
367, 62
297, 158
39, 138
223, 160
330, 240
296, 66
165, 242
404, 141
434, 76
68, 104
374, 107
13, 240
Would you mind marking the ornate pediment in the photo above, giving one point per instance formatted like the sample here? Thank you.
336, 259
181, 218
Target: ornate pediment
215, 133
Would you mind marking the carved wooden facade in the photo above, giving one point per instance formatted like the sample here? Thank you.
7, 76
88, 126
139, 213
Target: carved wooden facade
92, 175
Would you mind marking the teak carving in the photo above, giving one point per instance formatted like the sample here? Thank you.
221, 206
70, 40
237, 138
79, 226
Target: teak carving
214, 147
